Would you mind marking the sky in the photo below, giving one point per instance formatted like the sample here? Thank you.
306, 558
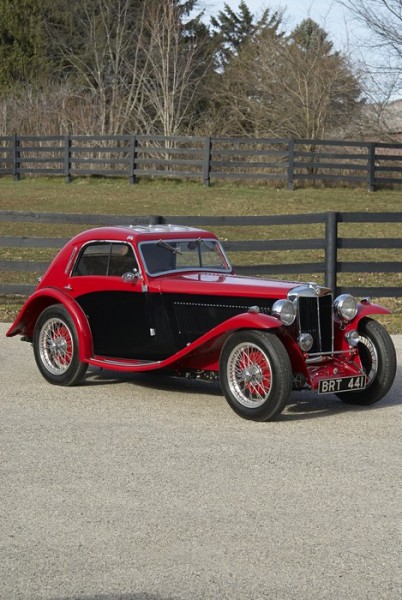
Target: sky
327, 13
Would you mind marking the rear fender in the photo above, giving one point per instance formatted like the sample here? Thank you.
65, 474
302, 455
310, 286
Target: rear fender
41, 299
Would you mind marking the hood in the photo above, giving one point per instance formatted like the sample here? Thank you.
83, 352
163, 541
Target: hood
221, 284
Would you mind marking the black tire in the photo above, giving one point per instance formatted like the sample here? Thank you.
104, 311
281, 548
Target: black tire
55, 344
378, 357
255, 374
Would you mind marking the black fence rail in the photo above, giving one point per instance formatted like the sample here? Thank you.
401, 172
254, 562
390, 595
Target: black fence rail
328, 245
286, 161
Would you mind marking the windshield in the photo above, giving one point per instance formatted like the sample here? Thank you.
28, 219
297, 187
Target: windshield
161, 256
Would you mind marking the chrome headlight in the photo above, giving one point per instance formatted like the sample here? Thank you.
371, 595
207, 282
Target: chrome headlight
345, 307
285, 311
305, 341
352, 338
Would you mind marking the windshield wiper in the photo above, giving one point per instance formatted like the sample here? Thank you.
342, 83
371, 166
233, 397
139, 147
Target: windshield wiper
167, 246
206, 243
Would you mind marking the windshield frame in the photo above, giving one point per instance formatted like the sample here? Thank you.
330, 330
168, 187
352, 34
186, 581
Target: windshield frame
199, 242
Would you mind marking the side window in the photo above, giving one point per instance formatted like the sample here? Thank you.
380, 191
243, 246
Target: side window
105, 258
121, 260
93, 260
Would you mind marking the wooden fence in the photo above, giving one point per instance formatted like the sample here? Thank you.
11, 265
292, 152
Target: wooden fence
329, 245
204, 158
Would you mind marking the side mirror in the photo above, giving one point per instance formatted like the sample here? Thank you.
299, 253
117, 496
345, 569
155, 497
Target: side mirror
130, 276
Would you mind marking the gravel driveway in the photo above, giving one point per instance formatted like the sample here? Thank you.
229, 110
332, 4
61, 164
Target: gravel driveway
151, 488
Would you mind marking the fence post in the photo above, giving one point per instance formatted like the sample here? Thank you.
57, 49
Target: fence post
371, 167
291, 164
207, 160
132, 160
331, 250
67, 159
16, 157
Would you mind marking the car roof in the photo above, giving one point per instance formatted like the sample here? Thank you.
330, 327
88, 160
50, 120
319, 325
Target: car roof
166, 228
138, 233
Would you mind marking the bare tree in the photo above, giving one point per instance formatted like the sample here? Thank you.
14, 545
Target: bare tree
294, 87
47, 110
315, 91
109, 73
381, 39
132, 63
176, 67
383, 18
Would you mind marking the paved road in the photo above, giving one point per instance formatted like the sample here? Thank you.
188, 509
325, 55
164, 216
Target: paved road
153, 489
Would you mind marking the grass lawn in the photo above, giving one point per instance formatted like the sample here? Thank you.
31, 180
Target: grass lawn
170, 198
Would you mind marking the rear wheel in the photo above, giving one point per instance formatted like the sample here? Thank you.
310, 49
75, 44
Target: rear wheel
55, 345
378, 358
255, 374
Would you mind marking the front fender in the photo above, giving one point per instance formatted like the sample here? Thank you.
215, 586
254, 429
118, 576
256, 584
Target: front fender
204, 352
242, 321
249, 320
366, 308
41, 299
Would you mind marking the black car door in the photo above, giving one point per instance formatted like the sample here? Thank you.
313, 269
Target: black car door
117, 310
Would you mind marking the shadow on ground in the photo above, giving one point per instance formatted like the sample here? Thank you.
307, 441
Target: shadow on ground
302, 405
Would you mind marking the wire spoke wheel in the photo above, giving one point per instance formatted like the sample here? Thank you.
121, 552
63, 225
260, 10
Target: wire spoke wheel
56, 346
250, 373
369, 358
255, 374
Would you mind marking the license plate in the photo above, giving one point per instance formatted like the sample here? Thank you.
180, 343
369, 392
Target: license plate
343, 384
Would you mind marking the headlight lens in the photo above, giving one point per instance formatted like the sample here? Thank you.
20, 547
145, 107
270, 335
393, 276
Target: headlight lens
305, 341
345, 307
285, 311
352, 338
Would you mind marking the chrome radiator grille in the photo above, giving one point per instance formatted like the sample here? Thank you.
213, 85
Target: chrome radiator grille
315, 317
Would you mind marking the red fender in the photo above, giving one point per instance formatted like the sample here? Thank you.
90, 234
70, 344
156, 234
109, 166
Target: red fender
207, 346
242, 321
41, 299
366, 308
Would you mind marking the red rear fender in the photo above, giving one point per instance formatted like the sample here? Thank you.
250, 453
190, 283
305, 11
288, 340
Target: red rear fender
41, 299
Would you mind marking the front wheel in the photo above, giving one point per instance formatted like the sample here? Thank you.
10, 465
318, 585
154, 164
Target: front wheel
255, 374
55, 344
378, 358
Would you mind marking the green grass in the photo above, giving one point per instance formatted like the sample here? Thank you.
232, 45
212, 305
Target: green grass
111, 196
170, 198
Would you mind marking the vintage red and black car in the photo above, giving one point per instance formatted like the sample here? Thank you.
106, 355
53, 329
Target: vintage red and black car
164, 297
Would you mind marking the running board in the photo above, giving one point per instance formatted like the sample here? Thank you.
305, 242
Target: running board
123, 364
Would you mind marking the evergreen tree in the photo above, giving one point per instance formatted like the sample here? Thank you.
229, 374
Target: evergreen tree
232, 30
24, 49
310, 37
